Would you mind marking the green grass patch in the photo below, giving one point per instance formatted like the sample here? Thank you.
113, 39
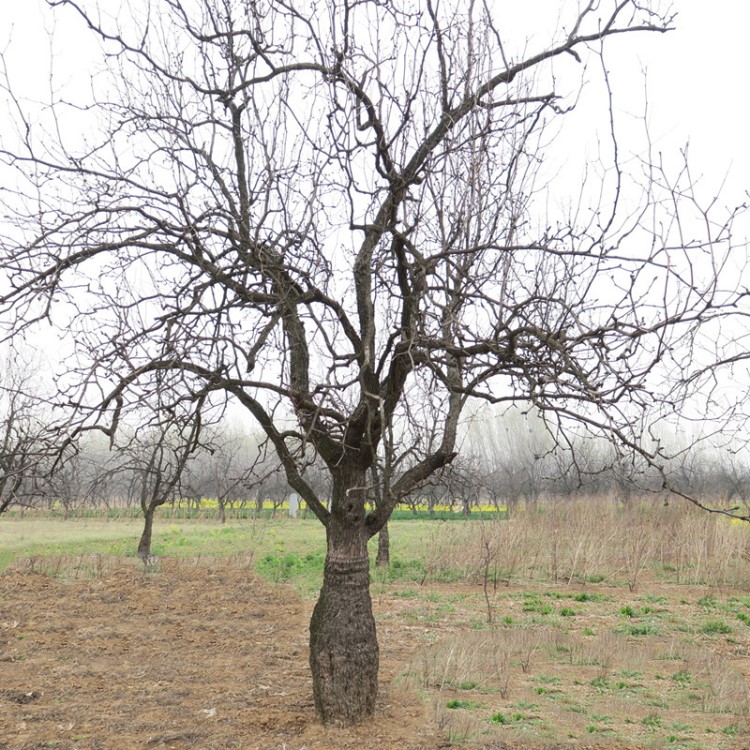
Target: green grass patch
587, 596
533, 604
283, 568
707, 601
716, 627
646, 628
458, 704
682, 678
600, 684
596, 578
502, 718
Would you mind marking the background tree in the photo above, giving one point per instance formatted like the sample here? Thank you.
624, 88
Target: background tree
325, 212
514, 453
227, 469
157, 454
26, 446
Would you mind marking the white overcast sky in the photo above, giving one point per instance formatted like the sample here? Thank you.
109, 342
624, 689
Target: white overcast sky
698, 86
697, 74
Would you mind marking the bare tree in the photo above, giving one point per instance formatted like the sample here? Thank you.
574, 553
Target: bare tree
157, 454
514, 450
70, 483
326, 212
25, 443
220, 471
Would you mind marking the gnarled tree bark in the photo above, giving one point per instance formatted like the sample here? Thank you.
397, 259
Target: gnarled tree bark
344, 652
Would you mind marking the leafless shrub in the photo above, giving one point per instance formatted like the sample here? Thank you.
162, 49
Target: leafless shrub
723, 688
456, 726
451, 551
606, 650
483, 659
490, 545
635, 534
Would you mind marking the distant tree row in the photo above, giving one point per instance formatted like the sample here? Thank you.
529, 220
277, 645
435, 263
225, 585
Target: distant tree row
184, 457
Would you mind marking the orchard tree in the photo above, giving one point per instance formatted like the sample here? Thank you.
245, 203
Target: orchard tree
339, 215
26, 446
157, 458
223, 469
514, 452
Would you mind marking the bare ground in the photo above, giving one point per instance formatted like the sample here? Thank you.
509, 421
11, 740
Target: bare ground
191, 656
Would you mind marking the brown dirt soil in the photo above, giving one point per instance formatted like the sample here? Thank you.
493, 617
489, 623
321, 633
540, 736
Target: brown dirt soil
193, 656
189, 657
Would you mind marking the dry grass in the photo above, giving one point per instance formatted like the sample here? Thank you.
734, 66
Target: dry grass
88, 566
600, 626
481, 660
594, 540
579, 623
537, 684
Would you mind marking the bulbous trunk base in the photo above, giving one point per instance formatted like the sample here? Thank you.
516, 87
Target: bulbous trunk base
344, 653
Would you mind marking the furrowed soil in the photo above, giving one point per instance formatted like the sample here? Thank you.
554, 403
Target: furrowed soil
203, 654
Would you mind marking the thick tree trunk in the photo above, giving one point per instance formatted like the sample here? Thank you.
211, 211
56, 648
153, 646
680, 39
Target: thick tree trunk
344, 653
